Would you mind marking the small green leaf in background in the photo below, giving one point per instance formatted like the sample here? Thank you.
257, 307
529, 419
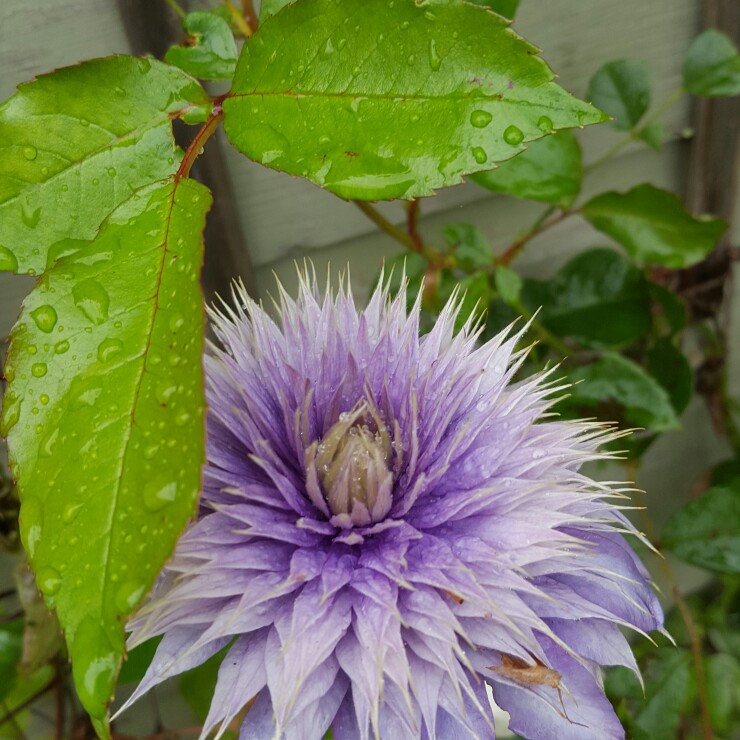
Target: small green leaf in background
508, 285
469, 244
653, 135
669, 366
712, 66
598, 298
672, 307
654, 227
549, 170
210, 51
506, 8
103, 414
467, 92
20, 693
725, 473
11, 648
615, 379
474, 293
670, 691
75, 143
198, 684
706, 532
723, 682
621, 89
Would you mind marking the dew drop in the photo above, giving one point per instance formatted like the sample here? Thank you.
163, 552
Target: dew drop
479, 154
32, 519
38, 369
513, 135
544, 124
11, 413
341, 44
30, 216
85, 393
61, 347
49, 580
480, 118
32, 349
45, 317
8, 262
111, 171
128, 595
165, 392
150, 452
84, 122
44, 398
30, 152
410, 59
44, 171
435, 60
92, 299
70, 513
182, 419
405, 25
327, 49
108, 349
176, 322
157, 494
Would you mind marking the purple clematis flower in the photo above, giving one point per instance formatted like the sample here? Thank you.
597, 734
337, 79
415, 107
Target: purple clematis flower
390, 523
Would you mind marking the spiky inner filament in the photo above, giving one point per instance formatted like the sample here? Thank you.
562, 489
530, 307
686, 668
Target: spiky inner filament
352, 465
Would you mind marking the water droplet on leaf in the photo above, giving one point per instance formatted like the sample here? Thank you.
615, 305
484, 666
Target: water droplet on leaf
513, 135
158, 494
61, 347
45, 317
480, 118
70, 513
435, 61
479, 154
8, 262
49, 580
544, 124
108, 349
92, 299
30, 152
38, 369
128, 595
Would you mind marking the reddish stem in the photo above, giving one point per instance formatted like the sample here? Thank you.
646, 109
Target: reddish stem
250, 15
508, 256
412, 225
205, 133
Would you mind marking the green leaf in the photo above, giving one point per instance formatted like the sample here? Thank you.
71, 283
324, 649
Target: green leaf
653, 135
654, 227
597, 298
466, 92
723, 678
725, 473
506, 8
670, 689
11, 647
75, 143
138, 661
550, 171
673, 308
17, 697
669, 366
621, 89
107, 450
615, 379
712, 66
198, 684
508, 285
471, 248
706, 532
210, 51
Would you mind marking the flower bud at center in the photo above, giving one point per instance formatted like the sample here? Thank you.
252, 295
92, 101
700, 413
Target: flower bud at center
352, 466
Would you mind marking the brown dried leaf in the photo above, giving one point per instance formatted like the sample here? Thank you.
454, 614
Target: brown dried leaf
520, 671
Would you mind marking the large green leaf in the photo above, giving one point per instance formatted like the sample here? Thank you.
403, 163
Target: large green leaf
210, 50
506, 8
712, 66
104, 419
654, 227
465, 92
550, 171
11, 648
723, 682
621, 89
598, 298
615, 379
706, 532
270, 7
75, 143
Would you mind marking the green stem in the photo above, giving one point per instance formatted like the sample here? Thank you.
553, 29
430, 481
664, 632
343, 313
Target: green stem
414, 243
176, 7
241, 22
634, 134
540, 225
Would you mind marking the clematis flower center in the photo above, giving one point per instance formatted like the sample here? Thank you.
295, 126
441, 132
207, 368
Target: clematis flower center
352, 465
